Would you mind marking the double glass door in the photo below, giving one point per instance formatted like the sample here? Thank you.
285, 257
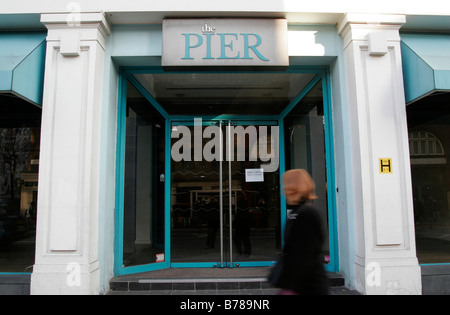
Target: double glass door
197, 191
225, 192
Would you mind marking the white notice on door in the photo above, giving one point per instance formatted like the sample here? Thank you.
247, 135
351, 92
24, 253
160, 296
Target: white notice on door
254, 175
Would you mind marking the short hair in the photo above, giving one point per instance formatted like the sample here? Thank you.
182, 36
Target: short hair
298, 186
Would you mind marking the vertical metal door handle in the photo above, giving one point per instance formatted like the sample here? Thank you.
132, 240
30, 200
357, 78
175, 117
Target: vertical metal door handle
230, 206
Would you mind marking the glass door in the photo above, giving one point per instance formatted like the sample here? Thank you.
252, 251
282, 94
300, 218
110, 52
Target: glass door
204, 192
142, 232
225, 192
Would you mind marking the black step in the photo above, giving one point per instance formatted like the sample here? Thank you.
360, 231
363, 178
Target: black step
194, 280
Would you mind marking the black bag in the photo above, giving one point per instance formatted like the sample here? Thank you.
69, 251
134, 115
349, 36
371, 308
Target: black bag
276, 272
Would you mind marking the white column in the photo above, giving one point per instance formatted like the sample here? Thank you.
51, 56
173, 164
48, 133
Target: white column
67, 228
385, 261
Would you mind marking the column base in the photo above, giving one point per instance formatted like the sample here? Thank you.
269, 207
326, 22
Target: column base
65, 279
389, 277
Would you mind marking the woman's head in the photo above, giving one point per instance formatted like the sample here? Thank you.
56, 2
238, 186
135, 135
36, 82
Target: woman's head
298, 186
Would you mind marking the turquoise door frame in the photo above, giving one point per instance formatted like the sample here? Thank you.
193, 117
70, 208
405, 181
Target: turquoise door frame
126, 75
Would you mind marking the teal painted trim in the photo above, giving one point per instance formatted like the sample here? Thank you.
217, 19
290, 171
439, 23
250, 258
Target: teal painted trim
196, 265
426, 64
207, 122
282, 158
119, 269
159, 70
120, 175
14, 273
244, 264
18, 21
142, 268
5, 80
147, 96
28, 76
300, 96
324, 75
22, 63
331, 184
418, 77
436, 264
167, 196
145, 70
442, 79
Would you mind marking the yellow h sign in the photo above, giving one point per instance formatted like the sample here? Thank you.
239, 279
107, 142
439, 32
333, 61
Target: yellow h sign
385, 166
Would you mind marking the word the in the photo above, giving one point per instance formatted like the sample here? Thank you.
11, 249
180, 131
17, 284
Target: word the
208, 29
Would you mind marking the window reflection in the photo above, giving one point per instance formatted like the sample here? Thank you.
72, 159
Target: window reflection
19, 164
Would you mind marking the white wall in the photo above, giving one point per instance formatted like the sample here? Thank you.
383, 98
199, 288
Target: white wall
108, 129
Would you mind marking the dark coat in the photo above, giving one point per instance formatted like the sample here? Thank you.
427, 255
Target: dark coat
303, 270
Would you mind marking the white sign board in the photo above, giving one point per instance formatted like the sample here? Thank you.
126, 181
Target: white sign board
225, 42
253, 175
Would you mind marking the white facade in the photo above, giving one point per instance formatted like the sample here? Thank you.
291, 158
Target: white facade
88, 41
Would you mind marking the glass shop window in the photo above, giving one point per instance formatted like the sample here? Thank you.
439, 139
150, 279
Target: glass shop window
20, 128
429, 142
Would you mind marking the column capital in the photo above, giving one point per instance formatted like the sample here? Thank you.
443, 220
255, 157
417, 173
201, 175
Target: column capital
71, 29
374, 30
370, 21
76, 19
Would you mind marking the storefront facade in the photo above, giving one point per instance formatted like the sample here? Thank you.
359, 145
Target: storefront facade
165, 134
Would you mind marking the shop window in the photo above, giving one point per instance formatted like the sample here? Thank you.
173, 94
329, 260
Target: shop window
143, 203
429, 127
19, 163
305, 149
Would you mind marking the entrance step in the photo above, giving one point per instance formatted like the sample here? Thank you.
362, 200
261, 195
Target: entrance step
202, 280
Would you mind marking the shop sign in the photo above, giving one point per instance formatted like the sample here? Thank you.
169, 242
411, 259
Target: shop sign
225, 42
385, 166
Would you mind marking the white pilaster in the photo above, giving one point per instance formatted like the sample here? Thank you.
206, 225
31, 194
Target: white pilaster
385, 261
67, 230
